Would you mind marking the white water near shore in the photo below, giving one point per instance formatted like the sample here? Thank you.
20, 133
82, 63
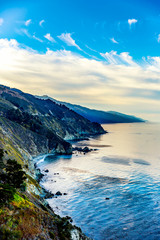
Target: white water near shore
125, 169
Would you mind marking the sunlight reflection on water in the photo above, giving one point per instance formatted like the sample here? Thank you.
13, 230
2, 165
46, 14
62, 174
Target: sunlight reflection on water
125, 170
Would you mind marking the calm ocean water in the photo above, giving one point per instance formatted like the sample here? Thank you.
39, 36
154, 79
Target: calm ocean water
125, 169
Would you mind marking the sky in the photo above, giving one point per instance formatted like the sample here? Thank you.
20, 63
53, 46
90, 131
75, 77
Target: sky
102, 54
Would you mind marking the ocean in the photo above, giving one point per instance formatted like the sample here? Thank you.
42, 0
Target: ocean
114, 191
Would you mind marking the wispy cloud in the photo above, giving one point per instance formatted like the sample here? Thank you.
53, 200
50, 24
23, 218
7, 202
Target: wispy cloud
110, 57
114, 41
158, 39
132, 21
118, 59
24, 31
66, 37
36, 38
93, 50
49, 37
41, 22
28, 22
1, 21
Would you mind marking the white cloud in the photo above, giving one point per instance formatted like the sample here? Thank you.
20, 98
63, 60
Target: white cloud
110, 57
1, 21
28, 22
24, 31
158, 39
66, 37
132, 21
38, 39
49, 37
5, 43
41, 22
127, 59
93, 50
118, 59
119, 83
114, 41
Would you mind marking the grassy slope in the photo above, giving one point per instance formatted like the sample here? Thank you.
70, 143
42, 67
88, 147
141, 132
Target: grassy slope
27, 218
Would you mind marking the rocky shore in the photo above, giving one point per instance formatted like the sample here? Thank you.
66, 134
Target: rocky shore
30, 127
27, 215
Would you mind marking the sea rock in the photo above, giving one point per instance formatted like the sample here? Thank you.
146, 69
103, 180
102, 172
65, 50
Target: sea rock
69, 219
58, 193
84, 150
49, 195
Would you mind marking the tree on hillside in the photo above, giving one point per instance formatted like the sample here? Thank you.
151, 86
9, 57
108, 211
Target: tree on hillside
12, 177
15, 176
1, 154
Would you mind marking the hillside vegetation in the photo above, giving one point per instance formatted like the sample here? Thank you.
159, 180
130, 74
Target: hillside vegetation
24, 214
30, 127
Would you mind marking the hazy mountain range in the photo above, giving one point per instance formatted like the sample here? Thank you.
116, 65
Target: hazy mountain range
98, 115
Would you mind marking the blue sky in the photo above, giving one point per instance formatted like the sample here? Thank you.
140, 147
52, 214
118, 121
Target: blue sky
93, 23
107, 53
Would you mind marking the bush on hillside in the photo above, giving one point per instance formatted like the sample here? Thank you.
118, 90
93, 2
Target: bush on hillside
12, 177
15, 176
6, 193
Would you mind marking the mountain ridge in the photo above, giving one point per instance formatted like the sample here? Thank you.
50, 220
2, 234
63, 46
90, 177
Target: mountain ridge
41, 121
99, 116
30, 127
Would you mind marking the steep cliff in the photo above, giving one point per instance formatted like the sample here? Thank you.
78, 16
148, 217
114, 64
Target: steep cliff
65, 122
36, 126
30, 127
24, 214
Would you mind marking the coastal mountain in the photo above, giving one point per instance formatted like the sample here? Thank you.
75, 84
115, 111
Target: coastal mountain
30, 127
98, 116
37, 126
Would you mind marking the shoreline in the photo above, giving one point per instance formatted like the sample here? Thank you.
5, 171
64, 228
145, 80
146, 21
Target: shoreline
41, 173
47, 194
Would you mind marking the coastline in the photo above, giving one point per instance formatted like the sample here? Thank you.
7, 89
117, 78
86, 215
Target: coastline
30, 203
101, 185
47, 194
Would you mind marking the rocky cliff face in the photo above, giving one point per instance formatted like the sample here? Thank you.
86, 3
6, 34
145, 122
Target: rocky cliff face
29, 127
24, 213
34, 126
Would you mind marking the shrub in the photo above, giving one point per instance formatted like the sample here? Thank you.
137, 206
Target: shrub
1, 154
7, 234
15, 176
6, 193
